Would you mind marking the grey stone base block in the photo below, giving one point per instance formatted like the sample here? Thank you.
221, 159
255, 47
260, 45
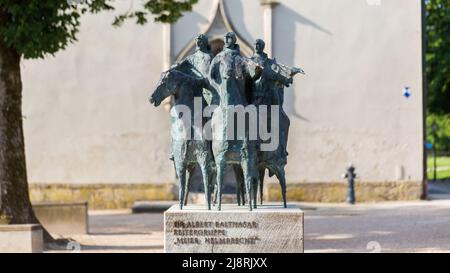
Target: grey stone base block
21, 239
152, 206
268, 229
63, 218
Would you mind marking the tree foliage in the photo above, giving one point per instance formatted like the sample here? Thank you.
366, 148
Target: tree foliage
35, 28
438, 55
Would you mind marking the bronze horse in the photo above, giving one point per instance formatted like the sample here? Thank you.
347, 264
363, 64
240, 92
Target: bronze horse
228, 75
187, 152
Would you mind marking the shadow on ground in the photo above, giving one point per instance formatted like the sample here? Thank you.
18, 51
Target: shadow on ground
439, 190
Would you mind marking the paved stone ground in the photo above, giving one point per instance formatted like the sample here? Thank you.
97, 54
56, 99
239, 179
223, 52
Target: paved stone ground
393, 227
121, 231
439, 190
381, 227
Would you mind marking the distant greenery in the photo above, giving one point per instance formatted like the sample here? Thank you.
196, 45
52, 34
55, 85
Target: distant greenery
438, 83
440, 139
438, 55
443, 168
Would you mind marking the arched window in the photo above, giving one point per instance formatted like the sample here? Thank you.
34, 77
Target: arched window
220, 25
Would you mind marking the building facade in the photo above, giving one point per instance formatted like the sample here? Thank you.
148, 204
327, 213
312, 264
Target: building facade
91, 134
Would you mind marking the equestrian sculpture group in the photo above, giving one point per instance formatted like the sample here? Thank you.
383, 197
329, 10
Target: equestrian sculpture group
226, 81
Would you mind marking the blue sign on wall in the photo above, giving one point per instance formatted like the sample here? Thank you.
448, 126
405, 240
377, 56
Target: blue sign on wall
407, 92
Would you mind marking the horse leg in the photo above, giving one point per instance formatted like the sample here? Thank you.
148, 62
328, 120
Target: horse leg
262, 173
181, 172
206, 181
214, 194
239, 184
282, 179
220, 174
255, 193
248, 181
242, 185
213, 185
190, 170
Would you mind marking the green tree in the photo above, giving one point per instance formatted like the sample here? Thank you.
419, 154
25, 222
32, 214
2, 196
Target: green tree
438, 55
35, 29
439, 136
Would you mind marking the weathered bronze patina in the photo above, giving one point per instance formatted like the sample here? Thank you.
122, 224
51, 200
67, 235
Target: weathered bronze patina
226, 81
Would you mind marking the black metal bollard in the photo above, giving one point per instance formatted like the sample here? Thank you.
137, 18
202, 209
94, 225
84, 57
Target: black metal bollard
350, 175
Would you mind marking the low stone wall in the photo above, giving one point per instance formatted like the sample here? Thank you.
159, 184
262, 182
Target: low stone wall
102, 196
63, 218
119, 196
337, 192
21, 239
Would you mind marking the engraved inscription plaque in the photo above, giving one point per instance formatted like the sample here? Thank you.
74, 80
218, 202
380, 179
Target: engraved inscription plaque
233, 230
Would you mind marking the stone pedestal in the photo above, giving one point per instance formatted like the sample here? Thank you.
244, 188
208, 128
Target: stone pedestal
268, 229
21, 239
63, 218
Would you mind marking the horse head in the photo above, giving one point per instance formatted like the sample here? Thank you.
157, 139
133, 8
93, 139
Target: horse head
168, 85
285, 74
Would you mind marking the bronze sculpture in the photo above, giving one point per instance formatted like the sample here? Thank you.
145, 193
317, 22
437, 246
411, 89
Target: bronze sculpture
269, 91
225, 83
184, 82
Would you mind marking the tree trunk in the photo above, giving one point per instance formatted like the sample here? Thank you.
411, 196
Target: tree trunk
15, 204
